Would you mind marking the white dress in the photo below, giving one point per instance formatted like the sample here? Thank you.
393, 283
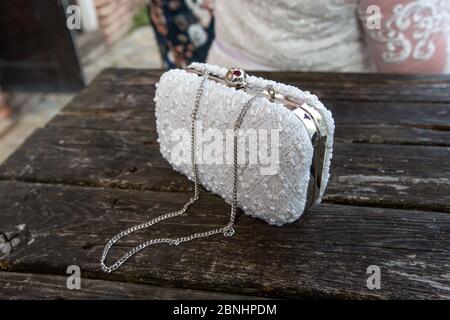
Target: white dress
319, 35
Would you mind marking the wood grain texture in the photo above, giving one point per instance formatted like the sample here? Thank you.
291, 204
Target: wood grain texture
19, 286
362, 174
326, 254
96, 169
123, 100
414, 123
345, 86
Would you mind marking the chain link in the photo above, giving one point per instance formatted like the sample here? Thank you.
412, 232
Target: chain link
227, 230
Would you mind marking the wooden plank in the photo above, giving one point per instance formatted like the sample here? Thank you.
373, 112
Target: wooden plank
425, 115
19, 286
380, 133
391, 134
391, 176
366, 87
326, 254
129, 76
362, 174
376, 93
137, 102
131, 107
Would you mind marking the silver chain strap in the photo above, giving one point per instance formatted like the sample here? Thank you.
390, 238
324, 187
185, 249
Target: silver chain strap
227, 230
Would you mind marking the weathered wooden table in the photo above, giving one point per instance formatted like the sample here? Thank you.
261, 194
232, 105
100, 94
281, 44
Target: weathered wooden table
95, 169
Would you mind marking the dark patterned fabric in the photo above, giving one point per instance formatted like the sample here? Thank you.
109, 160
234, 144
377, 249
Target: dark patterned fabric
184, 30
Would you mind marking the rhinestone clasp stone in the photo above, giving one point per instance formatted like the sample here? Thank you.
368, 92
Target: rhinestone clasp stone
236, 78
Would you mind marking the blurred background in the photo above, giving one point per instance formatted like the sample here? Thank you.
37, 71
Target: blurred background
44, 63
52, 49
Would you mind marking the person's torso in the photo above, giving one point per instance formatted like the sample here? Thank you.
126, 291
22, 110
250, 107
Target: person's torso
285, 34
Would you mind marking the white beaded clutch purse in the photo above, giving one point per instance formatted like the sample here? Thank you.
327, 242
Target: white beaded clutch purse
263, 146
295, 175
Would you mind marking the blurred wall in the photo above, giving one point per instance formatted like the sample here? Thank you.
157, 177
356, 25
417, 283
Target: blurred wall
115, 17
